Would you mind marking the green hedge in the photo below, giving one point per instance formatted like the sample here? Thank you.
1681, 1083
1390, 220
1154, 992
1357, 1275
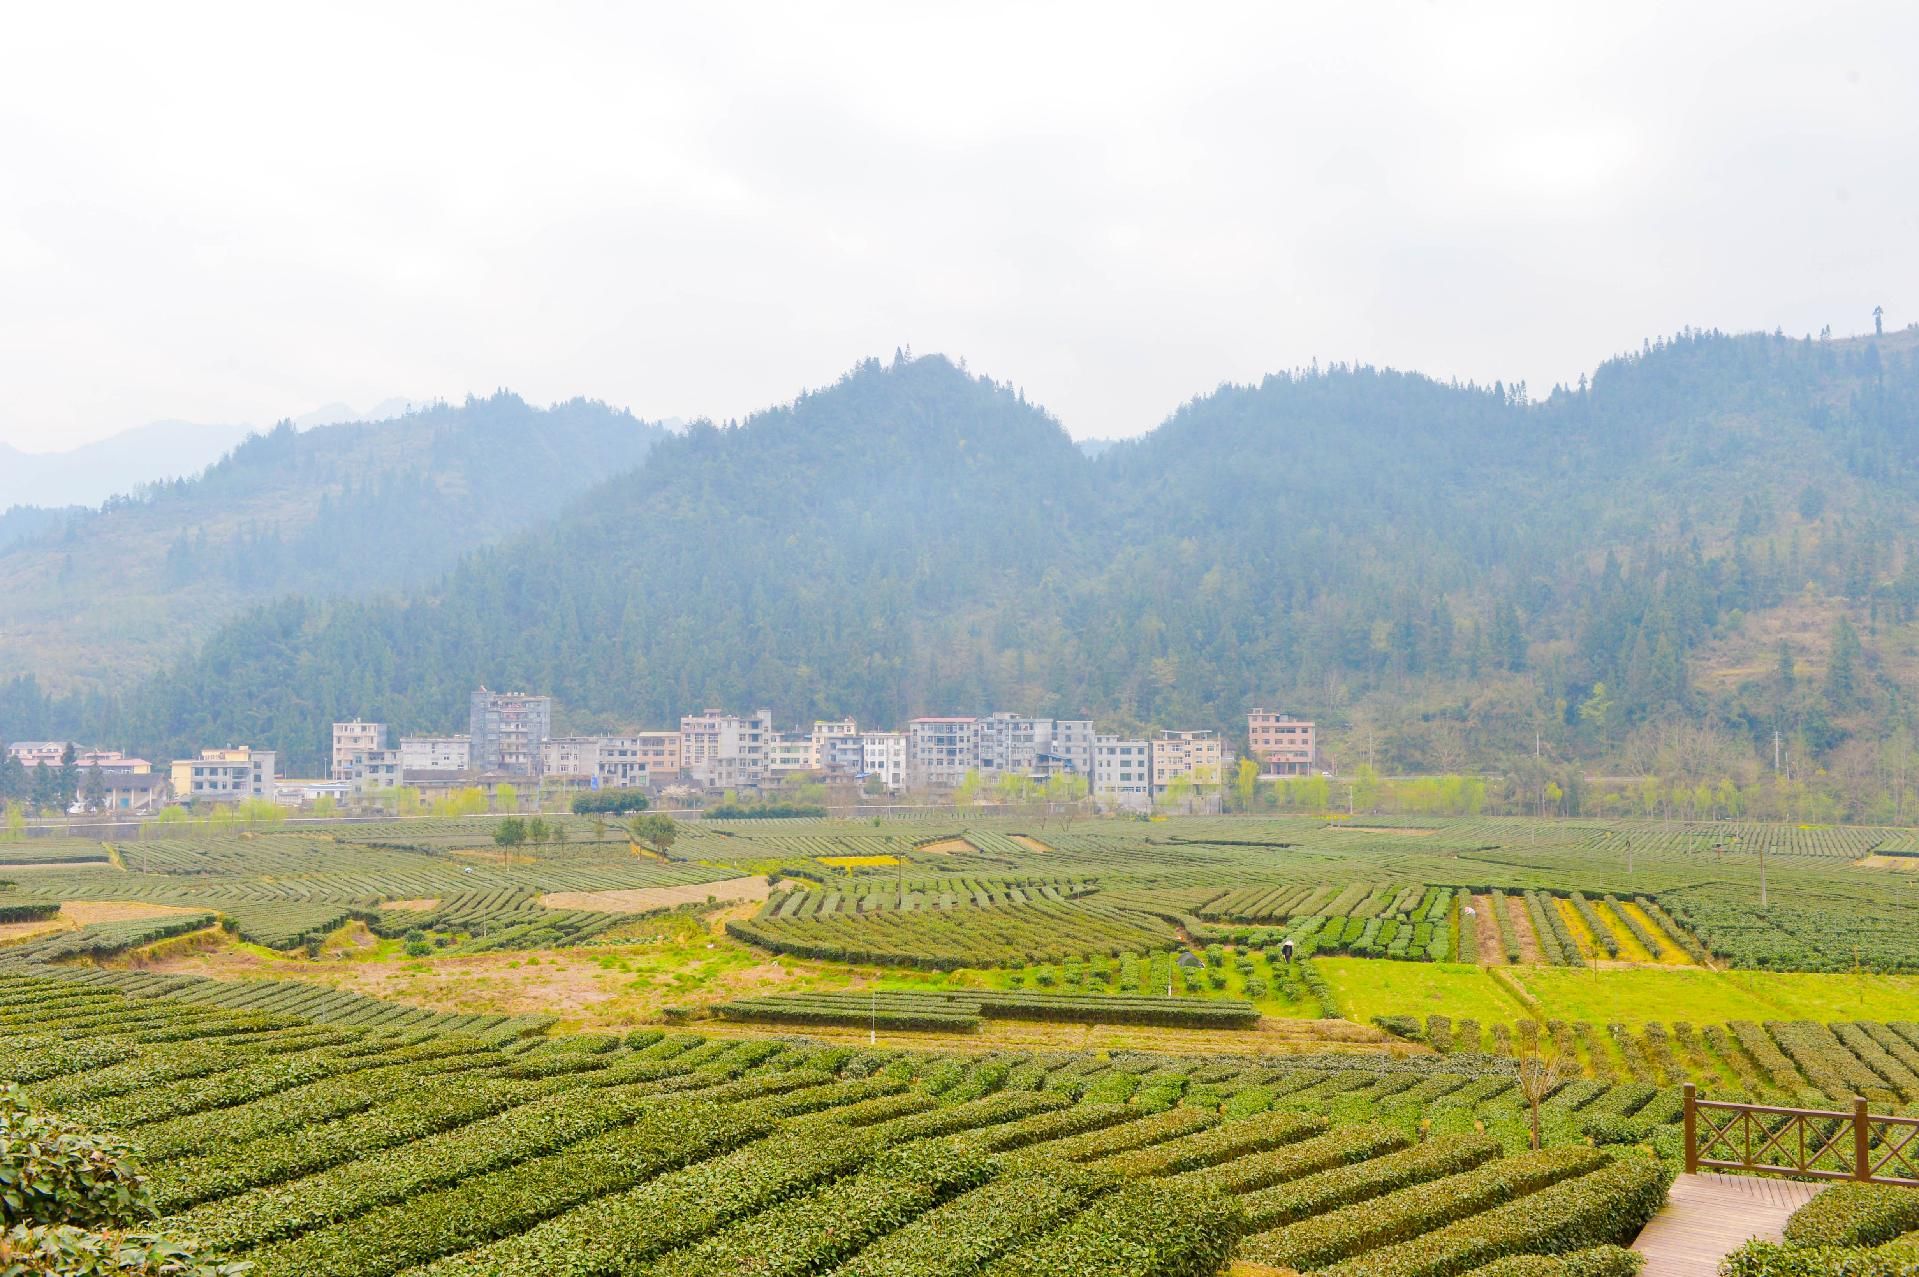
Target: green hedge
1855, 1215
415, 1229
1899, 1258
1600, 1261
1258, 1134
976, 1228
1343, 1147
1607, 1207
620, 1232
811, 1233
1142, 1230
1413, 1212
1345, 1185
28, 910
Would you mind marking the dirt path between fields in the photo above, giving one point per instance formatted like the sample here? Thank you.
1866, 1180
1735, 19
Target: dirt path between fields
1522, 923
1492, 951
647, 899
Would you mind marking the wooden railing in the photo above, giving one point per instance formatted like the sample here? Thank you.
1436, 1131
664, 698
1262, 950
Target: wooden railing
1818, 1143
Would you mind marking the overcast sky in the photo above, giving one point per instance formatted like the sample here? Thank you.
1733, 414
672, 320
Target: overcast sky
237, 214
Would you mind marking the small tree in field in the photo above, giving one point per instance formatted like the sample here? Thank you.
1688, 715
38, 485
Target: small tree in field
1540, 1073
651, 829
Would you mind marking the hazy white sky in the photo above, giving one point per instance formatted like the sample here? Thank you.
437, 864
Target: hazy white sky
239, 213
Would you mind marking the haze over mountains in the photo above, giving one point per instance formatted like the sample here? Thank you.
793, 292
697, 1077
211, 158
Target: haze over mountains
1713, 537
99, 599
90, 473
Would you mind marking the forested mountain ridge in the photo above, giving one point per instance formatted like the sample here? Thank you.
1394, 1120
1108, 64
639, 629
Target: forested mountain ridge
1446, 575
98, 598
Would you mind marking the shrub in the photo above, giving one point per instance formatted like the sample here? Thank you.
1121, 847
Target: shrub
1143, 1230
1771, 1259
610, 802
1855, 1215
1600, 1261
1607, 1207
1413, 1212
1400, 1026
57, 1173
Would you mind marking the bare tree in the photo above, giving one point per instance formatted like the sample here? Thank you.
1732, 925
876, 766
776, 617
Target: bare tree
1541, 1070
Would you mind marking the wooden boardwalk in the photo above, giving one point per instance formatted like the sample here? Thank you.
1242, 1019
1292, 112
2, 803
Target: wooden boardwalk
1708, 1216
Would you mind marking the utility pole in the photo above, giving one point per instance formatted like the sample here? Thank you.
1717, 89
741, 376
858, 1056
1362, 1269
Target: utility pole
1775, 751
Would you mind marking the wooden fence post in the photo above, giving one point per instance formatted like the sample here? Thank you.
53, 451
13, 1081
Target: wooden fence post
1861, 1140
1692, 1131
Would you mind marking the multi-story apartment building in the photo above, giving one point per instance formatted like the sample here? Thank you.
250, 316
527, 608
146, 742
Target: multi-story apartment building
825, 733
1070, 749
1122, 773
1281, 744
353, 738
842, 757
508, 731
1193, 755
1011, 744
573, 757
372, 771
790, 753
224, 775
883, 758
639, 760
436, 753
112, 762
940, 751
721, 750
40, 753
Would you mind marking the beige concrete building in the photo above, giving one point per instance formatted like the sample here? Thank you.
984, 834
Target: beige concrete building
721, 750
225, 775
1194, 755
353, 738
1280, 744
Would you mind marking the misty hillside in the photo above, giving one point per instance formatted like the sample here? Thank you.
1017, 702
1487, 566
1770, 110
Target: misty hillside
98, 598
1443, 573
92, 472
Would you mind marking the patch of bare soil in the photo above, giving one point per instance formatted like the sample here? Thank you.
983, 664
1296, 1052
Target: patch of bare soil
423, 904
946, 845
1491, 952
15, 931
1898, 864
1030, 843
1523, 929
1270, 1039
86, 912
647, 899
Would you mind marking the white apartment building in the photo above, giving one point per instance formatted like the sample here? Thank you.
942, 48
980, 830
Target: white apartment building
1122, 774
722, 751
224, 775
789, 753
940, 751
436, 753
570, 757
883, 756
353, 738
373, 770
828, 731
507, 730
1071, 748
639, 760
40, 753
1011, 744
1194, 755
